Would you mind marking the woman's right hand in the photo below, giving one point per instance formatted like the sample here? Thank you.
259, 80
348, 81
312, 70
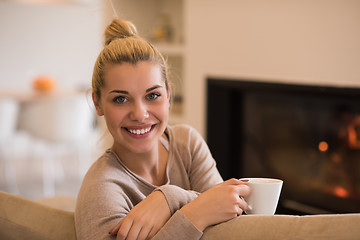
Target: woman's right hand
218, 204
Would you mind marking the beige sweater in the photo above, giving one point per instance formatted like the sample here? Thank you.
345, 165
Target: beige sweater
110, 190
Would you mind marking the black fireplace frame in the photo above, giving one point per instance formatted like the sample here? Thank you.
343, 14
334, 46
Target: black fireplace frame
225, 117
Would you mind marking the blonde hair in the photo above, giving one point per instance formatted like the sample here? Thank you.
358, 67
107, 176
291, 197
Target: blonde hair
122, 44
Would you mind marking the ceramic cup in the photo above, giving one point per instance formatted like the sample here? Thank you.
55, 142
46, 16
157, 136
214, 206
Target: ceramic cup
264, 196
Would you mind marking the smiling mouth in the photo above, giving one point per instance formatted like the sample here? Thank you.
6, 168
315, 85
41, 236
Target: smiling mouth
140, 131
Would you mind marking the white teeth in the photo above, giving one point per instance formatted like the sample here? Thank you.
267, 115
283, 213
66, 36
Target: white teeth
140, 131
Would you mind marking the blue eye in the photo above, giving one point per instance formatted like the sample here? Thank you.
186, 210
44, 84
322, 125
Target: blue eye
153, 96
120, 99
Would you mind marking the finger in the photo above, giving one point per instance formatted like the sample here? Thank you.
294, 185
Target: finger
243, 204
245, 181
243, 190
145, 232
124, 229
234, 181
115, 229
154, 230
239, 210
134, 231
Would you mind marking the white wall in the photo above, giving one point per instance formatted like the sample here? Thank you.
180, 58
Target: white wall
307, 41
60, 40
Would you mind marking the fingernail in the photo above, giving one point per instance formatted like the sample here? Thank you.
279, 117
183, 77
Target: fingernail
244, 180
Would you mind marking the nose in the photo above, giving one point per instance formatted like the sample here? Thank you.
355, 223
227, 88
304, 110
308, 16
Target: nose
139, 112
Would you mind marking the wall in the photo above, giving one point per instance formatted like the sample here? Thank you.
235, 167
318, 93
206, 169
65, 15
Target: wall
304, 41
61, 40
315, 42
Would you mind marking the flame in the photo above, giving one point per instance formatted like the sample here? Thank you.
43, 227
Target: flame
323, 146
341, 192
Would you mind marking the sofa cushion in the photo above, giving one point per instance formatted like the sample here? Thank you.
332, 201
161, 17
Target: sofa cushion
331, 226
24, 219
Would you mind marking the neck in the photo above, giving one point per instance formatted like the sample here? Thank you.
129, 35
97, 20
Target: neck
151, 166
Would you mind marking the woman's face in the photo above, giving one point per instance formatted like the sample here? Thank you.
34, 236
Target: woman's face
135, 104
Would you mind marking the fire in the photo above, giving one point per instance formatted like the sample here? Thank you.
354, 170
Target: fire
341, 192
323, 146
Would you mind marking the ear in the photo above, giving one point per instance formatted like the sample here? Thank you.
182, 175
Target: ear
97, 105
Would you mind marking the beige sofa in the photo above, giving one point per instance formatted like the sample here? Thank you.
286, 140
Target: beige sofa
24, 219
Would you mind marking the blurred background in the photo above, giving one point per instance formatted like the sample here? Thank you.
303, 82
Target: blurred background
50, 134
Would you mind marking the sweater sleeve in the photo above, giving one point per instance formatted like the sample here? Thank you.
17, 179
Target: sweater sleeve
177, 197
178, 227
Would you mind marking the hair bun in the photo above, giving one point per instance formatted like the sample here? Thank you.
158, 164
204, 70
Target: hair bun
119, 29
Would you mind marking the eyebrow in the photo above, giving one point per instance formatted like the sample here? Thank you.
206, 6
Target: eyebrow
119, 91
153, 88
126, 92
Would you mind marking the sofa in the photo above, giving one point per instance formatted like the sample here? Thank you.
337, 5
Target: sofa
21, 218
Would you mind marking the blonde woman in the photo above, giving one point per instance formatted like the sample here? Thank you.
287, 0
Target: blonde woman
156, 181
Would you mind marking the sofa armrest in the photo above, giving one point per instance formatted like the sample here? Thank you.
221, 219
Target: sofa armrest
25, 219
21, 218
329, 226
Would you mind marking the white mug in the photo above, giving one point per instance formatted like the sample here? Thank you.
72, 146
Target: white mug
264, 196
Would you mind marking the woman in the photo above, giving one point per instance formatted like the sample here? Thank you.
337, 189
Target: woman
156, 181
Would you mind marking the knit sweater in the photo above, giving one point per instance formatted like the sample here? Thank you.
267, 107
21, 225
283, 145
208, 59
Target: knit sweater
110, 190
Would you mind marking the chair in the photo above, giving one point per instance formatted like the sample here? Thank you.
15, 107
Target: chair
9, 109
58, 118
61, 126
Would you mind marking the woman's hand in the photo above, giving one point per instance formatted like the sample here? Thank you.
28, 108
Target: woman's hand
145, 219
218, 204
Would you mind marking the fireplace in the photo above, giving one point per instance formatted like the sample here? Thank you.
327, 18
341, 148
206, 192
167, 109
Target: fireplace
309, 136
